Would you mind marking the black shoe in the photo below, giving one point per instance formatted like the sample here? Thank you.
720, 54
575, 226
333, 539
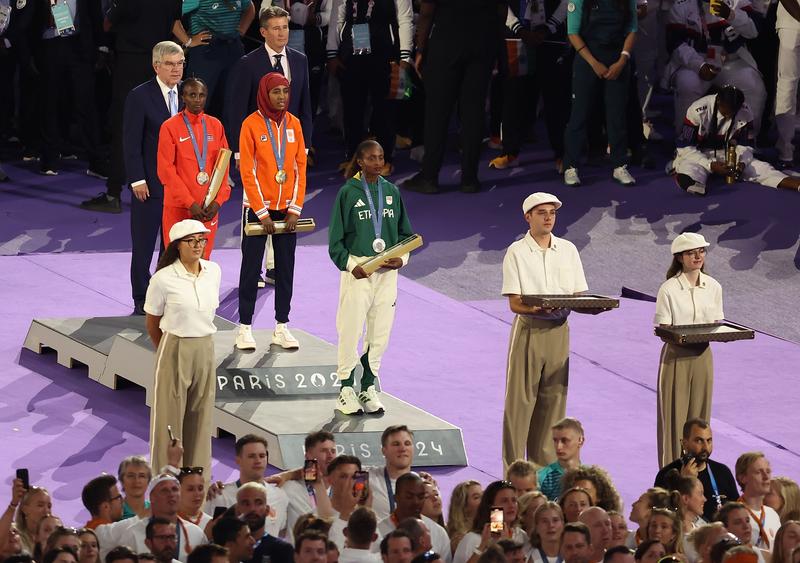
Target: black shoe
269, 276
103, 203
472, 187
418, 183
3, 176
138, 309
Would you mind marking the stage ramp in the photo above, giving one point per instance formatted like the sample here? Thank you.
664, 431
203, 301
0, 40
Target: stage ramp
280, 394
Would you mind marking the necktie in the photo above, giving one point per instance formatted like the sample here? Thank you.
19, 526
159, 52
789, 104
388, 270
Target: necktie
278, 66
173, 102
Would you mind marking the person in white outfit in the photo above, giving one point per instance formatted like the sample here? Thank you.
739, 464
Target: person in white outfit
788, 27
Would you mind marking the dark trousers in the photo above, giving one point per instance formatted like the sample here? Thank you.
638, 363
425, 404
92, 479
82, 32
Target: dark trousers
315, 51
367, 78
213, 63
519, 111
411, 113
455, 74
8, 69
553, 72
586, 86
598, 139
145, 229
63, 66
252, 259
130, 70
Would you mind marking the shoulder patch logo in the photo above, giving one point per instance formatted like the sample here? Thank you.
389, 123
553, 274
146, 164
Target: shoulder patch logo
360, 203
389, 200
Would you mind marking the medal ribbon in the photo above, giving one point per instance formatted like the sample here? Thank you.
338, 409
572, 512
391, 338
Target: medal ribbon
201, 157
377, 222
761, 521
280, 152
546, 559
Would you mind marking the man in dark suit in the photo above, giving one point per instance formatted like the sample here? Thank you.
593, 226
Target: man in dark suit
146, 108
272, 57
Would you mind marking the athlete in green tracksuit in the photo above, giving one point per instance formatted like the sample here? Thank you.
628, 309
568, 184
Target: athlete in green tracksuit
368, 216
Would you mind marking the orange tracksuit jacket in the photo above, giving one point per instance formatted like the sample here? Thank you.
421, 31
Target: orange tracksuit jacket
258, 167
177, 169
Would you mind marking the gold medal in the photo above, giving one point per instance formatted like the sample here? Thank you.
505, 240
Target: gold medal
280, 176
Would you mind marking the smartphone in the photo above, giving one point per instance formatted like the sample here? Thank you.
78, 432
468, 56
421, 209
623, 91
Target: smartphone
310, 470
169, 431
25, 477
361, 484
219, 511
496, 520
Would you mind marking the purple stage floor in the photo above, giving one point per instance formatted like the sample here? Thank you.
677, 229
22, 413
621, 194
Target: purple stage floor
446, 357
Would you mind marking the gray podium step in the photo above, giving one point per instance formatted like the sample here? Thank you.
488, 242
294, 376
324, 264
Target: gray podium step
280, 394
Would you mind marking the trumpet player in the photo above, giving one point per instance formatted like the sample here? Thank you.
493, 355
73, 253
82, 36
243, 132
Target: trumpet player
714, 124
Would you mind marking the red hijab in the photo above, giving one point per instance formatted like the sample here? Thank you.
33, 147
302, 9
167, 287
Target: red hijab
267, 83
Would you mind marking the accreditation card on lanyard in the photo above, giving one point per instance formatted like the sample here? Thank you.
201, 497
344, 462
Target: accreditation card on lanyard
361, 41
62, 17
378, 245
717, 497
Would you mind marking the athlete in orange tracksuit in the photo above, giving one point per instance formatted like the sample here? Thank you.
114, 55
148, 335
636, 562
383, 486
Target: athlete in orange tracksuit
185, 183
272, 162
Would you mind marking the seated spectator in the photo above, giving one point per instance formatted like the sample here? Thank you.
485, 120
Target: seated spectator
208, 553
712, 123
599, 524
396, 547
432, 507
655, 497
409, 498
252, 507
464, 502
597, 482
102, 499
665, 526
649, 551
786, 540
134, 474
545, 534
89, 551
522, 474
618, 554
619, 528
60, 555
193, 496
573, 502
514, 552
703, 538
528, 505
234, 535
252, 458
47, 526
498, 494
568, 438
122, 554
784, 498
161, 539
576, 545
33, 507
311, 547
692, 499
754, 475
360, 535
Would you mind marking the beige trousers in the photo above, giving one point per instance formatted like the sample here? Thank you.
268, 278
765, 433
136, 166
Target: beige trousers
685, 382
183, 397
537, 378
371, 301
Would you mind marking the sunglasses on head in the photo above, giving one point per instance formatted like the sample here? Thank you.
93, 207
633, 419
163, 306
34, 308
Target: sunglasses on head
191, 470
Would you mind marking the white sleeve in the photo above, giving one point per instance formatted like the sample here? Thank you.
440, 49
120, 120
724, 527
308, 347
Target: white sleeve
324, 14
579, 277
663, 310
465, 547
511, 281
279, 502
742, 22
155, 298
335, 27
405, 24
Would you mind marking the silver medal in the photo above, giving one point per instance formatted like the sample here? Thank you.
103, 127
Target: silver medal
378, 245
202, 177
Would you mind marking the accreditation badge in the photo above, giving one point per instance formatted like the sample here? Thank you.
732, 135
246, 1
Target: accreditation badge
290, 135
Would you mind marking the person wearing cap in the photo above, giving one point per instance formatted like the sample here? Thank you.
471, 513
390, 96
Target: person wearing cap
602, 32
686, 372
712, 123
182, 298
538, 368
188, 145
273, 168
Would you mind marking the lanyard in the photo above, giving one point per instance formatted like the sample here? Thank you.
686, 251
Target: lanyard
370, 6
761, 521
714, 485
200, 156
545, 558
377, 224
280, 152
389, 490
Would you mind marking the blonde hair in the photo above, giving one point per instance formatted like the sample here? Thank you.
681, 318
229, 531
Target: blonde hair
571, 423
700, 535
743, 464
778, 555
788, 490
535, 540
522, 468
22, 520
457, 521
676, 545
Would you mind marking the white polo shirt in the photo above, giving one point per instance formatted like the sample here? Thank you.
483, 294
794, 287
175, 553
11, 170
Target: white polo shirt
680, 303
529, 269
276, 499
350, 555
186, 303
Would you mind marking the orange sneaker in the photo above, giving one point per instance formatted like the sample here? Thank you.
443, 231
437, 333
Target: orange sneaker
504, 161
402, 143
387, 169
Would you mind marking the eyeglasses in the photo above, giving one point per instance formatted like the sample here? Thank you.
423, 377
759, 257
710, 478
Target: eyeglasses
172, 64
112, 499
696, 252
195, 242
191, 471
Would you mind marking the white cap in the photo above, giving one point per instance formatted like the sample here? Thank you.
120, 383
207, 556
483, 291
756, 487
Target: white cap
539, 198
688, 241
185, 228
161, 478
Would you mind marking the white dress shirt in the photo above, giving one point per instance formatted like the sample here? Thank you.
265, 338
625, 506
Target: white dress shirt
284, 61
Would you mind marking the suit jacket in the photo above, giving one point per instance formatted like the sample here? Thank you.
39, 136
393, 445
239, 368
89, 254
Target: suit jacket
145, 111
242, 91
278, 550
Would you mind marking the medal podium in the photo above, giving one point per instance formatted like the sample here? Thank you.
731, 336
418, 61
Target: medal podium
276, 393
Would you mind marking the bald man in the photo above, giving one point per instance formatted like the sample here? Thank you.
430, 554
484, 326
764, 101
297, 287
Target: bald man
599, 523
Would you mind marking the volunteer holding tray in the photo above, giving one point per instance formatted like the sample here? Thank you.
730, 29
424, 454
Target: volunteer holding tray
538, 357
272, 161
368, 217
686, 372
188, 145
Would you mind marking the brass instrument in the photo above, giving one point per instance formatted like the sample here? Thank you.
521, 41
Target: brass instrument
257, 229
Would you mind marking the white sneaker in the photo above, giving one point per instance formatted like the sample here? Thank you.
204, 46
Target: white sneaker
244, 339
347, 403
372, 404
696, 189
571, 177
283, 338
624, 177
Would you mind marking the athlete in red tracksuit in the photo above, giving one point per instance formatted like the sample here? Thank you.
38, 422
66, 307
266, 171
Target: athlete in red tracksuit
178, 167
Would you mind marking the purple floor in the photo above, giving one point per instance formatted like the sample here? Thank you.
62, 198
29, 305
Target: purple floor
441, 348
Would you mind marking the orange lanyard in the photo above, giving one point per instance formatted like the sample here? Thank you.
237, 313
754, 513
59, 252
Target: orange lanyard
760, 521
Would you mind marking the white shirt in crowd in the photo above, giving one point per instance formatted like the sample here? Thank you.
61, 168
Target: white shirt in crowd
534, 556
439, 538
680, 303
287, 72
109, 536
299, 502
186, 303
472, 541
276, 499
771, 523
350, 555
134, 537
380, 493
529, 269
